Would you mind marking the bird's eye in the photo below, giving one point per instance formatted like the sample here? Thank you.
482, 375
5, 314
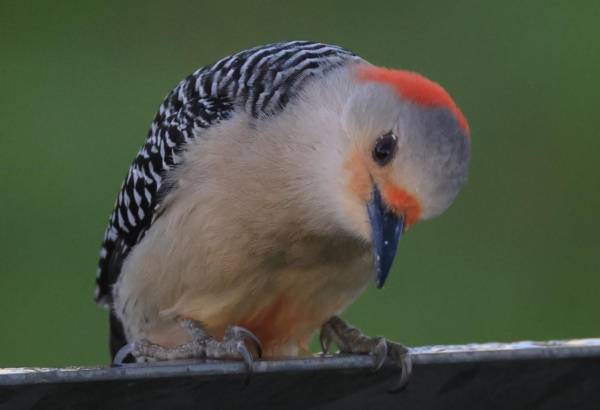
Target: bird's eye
385, 148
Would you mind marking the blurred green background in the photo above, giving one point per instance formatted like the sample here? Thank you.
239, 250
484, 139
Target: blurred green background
516, 257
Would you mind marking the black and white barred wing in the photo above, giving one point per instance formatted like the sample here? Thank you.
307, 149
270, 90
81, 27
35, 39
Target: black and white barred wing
260, 81
138, 201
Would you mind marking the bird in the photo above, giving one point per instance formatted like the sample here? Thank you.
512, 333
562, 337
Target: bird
272, 189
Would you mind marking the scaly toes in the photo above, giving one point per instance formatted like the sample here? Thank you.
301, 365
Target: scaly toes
350, 340
238, 343
144, 349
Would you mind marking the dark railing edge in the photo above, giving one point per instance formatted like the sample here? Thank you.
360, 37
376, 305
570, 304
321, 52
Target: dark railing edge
421, 355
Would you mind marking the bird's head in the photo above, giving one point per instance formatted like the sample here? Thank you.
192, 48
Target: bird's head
407, 159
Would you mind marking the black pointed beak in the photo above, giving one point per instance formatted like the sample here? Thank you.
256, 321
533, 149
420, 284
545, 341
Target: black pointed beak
387, 230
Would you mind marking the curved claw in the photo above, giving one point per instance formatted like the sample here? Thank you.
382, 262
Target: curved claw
122, 354
245, 334
381, 353
325, 342
406, 372
397, 354
247, 358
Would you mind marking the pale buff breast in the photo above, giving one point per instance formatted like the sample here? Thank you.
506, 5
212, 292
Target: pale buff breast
283, 298
258, 242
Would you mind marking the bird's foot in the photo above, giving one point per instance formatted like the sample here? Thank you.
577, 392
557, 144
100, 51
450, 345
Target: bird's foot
234, 346
351, 340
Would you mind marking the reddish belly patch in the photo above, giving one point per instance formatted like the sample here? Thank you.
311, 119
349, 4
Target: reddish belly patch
280, 324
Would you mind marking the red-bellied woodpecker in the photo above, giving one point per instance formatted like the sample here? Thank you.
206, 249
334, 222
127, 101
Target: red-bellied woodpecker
273, 187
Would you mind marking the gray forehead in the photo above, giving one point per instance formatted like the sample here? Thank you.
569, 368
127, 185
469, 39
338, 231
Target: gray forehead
434, 131
434, 142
